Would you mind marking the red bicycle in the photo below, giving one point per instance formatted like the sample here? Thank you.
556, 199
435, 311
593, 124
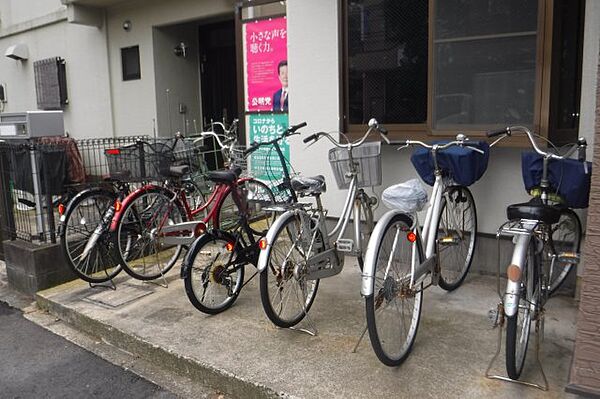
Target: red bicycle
154, 223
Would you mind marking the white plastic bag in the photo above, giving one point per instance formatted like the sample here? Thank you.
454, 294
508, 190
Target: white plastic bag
409, 196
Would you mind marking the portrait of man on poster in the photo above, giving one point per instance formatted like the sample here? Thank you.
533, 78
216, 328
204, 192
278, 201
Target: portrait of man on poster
281, 96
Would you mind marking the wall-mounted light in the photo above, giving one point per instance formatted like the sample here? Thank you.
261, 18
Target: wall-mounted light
181, 50
18, 52
127, 25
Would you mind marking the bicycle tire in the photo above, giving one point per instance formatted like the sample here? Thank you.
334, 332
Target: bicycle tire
456, 236
82, 224
516, 354
393, 350
258, 196
566, 237
213, 277
147, 211
287, 274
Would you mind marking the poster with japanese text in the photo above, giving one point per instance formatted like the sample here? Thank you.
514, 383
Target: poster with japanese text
265, 163
265, 51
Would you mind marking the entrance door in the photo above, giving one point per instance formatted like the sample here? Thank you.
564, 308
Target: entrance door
218, 76
565, 86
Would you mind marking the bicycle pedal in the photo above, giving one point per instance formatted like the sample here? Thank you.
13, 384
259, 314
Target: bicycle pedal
569, 257
344, 244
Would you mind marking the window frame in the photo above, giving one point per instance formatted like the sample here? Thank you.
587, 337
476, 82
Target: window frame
426, 130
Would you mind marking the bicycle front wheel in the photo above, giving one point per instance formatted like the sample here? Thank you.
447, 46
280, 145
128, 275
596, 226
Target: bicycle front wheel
85, 236
566, 243
518, 326
212, 278
143, 254
285, 291
456, 236
394, 309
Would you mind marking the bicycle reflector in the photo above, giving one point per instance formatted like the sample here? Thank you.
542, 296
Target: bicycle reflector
118, 206
61, 209
113, 151
229, 246
199, 229
411, 236
262, 244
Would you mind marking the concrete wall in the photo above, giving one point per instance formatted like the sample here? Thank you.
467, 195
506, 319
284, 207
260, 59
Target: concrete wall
19, 11
136, 103
84, 49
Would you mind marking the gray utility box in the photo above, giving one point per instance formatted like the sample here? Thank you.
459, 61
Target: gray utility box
31, 124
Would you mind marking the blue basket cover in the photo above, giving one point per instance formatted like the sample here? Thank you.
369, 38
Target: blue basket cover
462, 164
567, 177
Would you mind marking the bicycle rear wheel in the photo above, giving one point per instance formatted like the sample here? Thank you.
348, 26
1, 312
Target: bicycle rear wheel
518, 326
257, 196
566, 243
394, 309
456, 236
285, 292
140, 224
211, 277
85, 236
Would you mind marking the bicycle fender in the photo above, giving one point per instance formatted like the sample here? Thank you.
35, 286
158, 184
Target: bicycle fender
191, 254
514, 272
264, 254
368, 273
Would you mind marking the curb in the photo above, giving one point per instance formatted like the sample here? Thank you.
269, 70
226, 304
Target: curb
209, 375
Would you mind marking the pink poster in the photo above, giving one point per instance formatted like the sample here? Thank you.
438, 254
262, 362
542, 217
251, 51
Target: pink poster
266, 65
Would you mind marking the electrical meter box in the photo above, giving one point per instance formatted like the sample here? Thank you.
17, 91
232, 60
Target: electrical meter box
31, 124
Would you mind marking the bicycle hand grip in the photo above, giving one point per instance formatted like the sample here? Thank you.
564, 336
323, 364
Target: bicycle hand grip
253, 147
292, 129
498, 132
312, 137
382, 130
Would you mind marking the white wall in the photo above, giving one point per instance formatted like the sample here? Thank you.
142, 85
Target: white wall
313, 55
589, 71
135, 102
83, 48
18, 11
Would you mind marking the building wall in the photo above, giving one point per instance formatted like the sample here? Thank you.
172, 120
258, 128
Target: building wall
314, 82
585, 369
83, 48
135, 102
19, 11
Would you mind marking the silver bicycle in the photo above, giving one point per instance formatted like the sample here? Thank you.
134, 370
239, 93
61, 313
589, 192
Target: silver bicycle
298, 249
402, 256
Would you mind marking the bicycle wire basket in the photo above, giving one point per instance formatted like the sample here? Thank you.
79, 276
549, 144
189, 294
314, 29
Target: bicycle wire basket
367, 159
141, 160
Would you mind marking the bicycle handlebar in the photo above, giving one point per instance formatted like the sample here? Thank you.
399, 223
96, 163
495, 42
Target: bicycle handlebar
373, 125
509, 130
461, 141
290, 131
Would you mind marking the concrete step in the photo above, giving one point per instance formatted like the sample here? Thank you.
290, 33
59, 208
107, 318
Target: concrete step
240, 353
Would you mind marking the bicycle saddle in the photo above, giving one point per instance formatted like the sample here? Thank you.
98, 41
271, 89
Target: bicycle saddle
534, 210
178, 171
309, 185
225, 176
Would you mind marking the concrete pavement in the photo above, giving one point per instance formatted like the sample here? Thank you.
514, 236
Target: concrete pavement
242, 354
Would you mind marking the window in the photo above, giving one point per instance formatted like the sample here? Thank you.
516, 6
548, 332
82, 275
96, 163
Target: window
130, 60
387, 61
441, 66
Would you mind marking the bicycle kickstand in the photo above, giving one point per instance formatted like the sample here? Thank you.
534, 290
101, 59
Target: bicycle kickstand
112, 285
500, 325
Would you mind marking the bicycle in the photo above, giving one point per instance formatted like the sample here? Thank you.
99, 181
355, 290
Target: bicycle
213, 268
528, 285
401, 254
161, 221
298, 250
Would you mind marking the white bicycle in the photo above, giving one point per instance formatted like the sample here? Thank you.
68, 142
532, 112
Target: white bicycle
401, 255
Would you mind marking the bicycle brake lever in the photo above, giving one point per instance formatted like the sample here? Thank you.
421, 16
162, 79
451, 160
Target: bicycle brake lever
403, 147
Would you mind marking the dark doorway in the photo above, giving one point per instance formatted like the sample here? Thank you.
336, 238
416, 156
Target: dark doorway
565, 86
218, 63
